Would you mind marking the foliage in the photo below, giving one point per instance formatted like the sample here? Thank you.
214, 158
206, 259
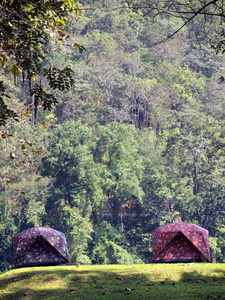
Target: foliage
5, 112
110, 253
106, 237
24, 38
136, 140
78, 231
117, 151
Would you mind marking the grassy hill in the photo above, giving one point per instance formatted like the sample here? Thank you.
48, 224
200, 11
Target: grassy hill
153, 281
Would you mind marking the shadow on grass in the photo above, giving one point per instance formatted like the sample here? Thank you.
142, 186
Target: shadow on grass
159, 282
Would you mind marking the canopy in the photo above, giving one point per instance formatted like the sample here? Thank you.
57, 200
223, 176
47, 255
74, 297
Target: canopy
181, 241
39, 246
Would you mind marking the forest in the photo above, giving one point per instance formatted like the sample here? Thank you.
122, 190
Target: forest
132, 141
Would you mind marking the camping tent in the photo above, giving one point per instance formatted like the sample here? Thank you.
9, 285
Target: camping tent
180, 242
39, 246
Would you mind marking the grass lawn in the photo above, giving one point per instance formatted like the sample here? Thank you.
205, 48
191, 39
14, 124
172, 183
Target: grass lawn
152, 281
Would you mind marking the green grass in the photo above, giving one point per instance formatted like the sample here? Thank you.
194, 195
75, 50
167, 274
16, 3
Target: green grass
152, 281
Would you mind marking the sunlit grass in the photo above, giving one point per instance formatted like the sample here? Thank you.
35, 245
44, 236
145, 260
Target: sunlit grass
152, 281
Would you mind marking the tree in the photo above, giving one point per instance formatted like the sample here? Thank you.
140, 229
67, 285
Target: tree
187, 11
78, 231
22, 191
25, 31
116, 150
69, 162
195, 157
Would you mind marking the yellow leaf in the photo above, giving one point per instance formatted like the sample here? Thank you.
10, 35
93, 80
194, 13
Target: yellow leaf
9, 101
23, 112
4, 58
33, 78
28, 111
43, 125
37, 151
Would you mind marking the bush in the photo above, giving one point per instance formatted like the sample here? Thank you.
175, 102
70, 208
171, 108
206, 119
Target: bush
111, 253
83, 260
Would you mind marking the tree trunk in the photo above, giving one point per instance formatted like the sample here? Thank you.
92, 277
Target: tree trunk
196, 179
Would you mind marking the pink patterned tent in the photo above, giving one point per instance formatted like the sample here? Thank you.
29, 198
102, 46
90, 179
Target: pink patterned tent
39, 246
180, 242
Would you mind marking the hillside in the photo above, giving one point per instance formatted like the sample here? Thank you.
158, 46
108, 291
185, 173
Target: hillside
150, 281
136, 139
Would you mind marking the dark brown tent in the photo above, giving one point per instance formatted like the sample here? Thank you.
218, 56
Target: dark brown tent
39, 246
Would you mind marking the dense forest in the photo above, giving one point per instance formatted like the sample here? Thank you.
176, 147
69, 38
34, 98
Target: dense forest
135, 143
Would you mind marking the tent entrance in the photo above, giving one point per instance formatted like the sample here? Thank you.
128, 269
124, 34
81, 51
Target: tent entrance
41, 253
179, 249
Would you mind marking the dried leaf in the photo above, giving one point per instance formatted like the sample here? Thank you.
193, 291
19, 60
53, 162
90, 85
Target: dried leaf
25, 294
107, 293
71, 290
121, 278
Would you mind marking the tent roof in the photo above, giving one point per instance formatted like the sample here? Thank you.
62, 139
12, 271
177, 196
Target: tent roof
196, 234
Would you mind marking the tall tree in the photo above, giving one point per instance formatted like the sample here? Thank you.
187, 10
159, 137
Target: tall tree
117, 151
195, 157
25, 31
